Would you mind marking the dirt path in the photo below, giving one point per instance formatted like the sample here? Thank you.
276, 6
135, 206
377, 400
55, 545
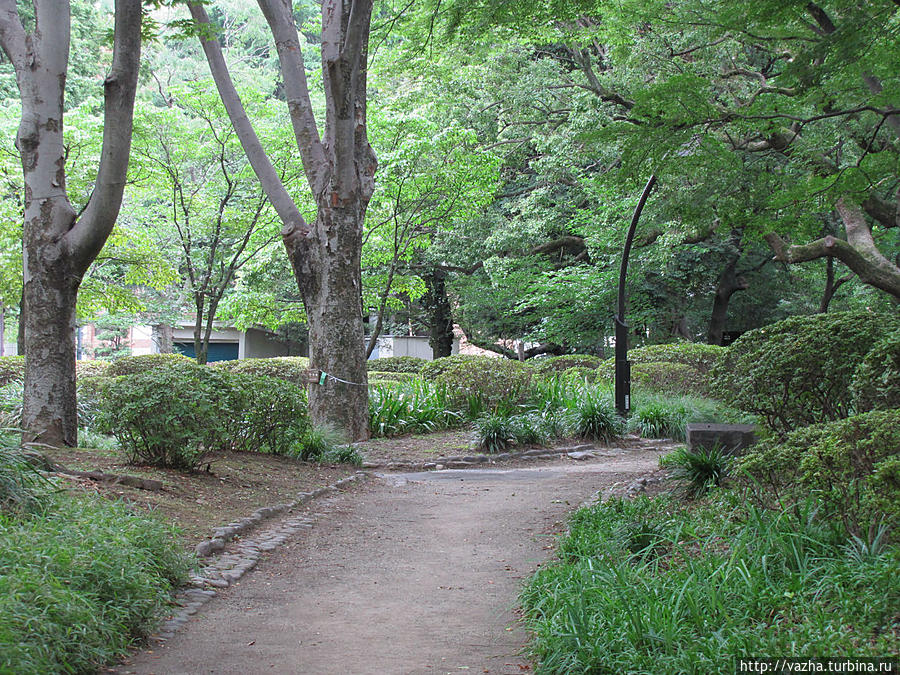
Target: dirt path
410, 573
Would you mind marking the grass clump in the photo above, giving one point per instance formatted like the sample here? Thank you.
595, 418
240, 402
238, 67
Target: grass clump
699, 470
595, 417
80, 582
654, 586
410, 407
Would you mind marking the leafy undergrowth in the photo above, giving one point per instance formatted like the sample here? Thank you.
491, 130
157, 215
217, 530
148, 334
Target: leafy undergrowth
81, 579
654, 586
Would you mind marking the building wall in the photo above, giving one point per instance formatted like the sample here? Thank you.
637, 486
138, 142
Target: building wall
406, 345
261, 345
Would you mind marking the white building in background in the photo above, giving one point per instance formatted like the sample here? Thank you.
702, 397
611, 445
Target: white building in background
405, 345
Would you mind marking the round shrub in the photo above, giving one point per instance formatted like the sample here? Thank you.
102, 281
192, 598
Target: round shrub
854, 464
798, 371
557, 364
12, 369
264, 414
702, 357
579, 374
131, 365
396, 364
94, 368
668, 378
876, 383
435, 368
164, 416
493, 382
287, 368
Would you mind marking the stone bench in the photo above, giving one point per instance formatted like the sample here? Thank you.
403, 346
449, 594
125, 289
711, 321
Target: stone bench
734, 438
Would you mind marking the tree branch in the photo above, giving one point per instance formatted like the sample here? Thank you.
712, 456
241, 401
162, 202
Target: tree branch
12, 35
294, 224
92, 229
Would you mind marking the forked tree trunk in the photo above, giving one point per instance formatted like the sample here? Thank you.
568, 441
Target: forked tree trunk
340, 168
58, 244
729, 284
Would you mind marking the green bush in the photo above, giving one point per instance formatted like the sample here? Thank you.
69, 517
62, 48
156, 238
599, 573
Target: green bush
287, 368
661, 419
22, 487
388, 376
12, 369
396, 364
81, 583
556, 364
669, 378
410, 407
495, 431
171, 417
165, 416
654, 586
876, 383
699, 356
579, 374
131, 365
494, 382
798, 371
95, 368
700, 470
262, 414
854, 464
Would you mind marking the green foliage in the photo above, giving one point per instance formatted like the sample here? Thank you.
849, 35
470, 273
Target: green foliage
661, 419
165, 416
669, 378
681, 367
699, 470
701, 357
799, 371
94, 368
595, 417
260, 413
410, 407
495, 382
653, 586
22, 488
396, 364
379, 377
852, 464
173, 416
496, 431
12, 368
287, 368
876, 383
81, 582
316, 444
559, 364
131, 365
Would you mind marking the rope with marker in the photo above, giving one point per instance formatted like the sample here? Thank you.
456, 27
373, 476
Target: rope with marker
322, 377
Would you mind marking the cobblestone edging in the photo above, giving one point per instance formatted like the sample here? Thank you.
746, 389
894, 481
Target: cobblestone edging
226, 568
576, 452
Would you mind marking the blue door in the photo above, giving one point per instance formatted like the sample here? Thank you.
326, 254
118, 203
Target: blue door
218, 351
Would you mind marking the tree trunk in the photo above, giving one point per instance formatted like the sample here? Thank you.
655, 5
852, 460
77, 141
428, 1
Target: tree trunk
58, 244
331, 285
729, 284
440, 317
20, 329
49, 414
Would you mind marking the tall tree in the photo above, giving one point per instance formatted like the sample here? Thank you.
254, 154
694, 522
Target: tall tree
340, 168
60, 242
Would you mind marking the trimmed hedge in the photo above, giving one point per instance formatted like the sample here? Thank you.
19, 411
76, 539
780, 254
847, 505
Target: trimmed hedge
172, 416
557, 364
668, 378
287, 368
876, 383
12, 369
95, 368
396, 376
492, 381
853, 464
681, 368
396, 364
131, 365
798, 371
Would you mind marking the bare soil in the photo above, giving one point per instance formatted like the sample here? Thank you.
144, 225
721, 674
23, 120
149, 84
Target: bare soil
410, 573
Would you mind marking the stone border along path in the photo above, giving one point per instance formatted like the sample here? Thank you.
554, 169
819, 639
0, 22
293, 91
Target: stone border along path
229, 566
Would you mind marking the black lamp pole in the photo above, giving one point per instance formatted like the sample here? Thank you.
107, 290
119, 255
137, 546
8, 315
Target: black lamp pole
623, 367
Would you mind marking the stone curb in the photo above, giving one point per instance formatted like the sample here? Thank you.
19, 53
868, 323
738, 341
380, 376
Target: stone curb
576, 452
227, 568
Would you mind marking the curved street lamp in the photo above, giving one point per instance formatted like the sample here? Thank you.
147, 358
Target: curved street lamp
623, 366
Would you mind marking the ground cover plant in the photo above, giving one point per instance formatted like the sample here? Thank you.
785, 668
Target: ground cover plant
654, 586
81, 578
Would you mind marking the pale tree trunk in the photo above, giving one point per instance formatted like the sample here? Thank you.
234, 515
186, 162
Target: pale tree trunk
340, 169
58, 244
